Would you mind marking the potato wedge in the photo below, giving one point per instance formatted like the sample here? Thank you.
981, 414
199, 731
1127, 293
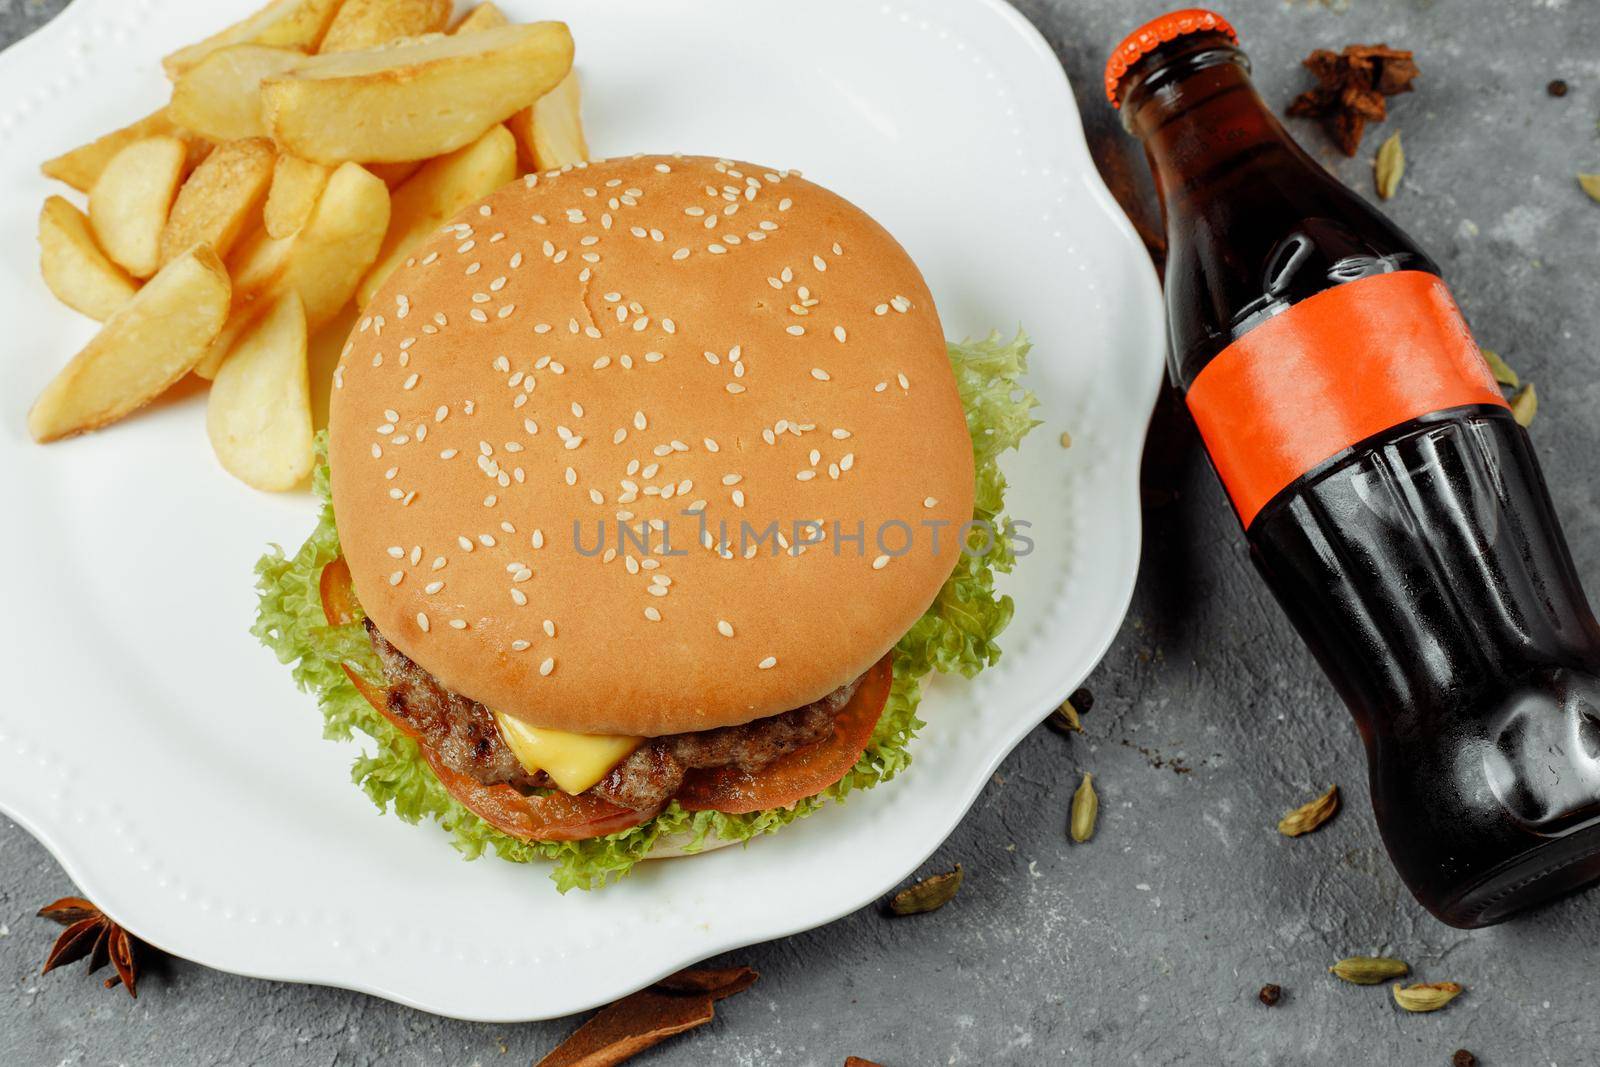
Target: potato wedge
219, 200
323, 262
552, 135
74, 267
436, 192
296, 184
415, 100
80, 167
129, 203
394, 173
220, 97
298, 24
369, 23
146, 346
259, 413
483, 17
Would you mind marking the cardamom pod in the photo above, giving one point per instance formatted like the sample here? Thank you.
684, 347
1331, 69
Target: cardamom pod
1065, 719
1307, 817
1390, 166
1525, 404
1085, 809
930, 894
1425, 996
1591, 184
1501, 369
1370, 970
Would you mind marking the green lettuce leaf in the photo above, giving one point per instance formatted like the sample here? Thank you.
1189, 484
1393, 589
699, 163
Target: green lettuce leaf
957, 633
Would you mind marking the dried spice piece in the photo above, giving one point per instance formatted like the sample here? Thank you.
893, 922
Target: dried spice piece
1370, 970
1307, 817
1463, 1058
1270, 995
1500, 369
90, 932
1556, 88
1085, 809
857, 1061
1425, 996
1390, 166
1351, 89
930, 894
620, 1031
1525, 405
1064, 720
1591, 185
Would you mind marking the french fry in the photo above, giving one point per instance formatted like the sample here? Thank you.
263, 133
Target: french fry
219, 200
296, 184
437, 191
220, 97
147, 345
483, 17
259, 413
297, 24
322, 263
80, 167
129, 202
415, 100
551, 131
74, 267
370, 23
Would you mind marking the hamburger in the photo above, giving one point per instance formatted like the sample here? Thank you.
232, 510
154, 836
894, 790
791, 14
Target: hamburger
651, 491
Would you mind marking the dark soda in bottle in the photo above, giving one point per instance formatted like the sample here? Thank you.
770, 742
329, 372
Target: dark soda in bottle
1389, 499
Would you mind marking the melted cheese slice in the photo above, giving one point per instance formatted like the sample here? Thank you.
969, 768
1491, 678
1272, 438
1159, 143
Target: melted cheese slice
573, 761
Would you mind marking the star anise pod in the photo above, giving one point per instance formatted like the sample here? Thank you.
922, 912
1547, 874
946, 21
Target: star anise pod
90, 932
1351, 89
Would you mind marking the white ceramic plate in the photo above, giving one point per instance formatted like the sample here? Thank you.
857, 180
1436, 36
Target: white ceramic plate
167, 760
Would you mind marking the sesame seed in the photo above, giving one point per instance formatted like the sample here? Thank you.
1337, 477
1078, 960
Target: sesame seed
724, 627
768, 663
880, 563
715, 249
519, 645
929, 502
397, 552
805, 475
711, 446
735, 387
652, 614
738, 498
839, 334
819, 374
905, 383
547, 666
518, 597
549, 628
422, 621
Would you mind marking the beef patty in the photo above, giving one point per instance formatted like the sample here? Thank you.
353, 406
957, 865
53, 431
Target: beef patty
466, 737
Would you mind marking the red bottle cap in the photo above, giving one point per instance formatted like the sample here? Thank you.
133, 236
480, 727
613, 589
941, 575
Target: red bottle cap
1155, 33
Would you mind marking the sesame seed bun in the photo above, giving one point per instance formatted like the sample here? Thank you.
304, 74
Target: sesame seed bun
582, 348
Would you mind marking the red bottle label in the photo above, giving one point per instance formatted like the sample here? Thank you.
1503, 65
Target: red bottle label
1330, 371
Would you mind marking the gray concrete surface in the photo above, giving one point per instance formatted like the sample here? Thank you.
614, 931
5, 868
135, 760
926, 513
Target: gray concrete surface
1147, 945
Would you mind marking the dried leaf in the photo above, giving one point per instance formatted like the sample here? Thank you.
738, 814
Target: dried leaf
1085, 810
930, 894
1370, 970
1590, 184
1390, 166
1500, 369
1525, 405
1425, 996
1309, 816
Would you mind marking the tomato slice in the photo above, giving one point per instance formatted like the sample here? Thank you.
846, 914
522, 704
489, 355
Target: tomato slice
802, 773
338, 593
555, 817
